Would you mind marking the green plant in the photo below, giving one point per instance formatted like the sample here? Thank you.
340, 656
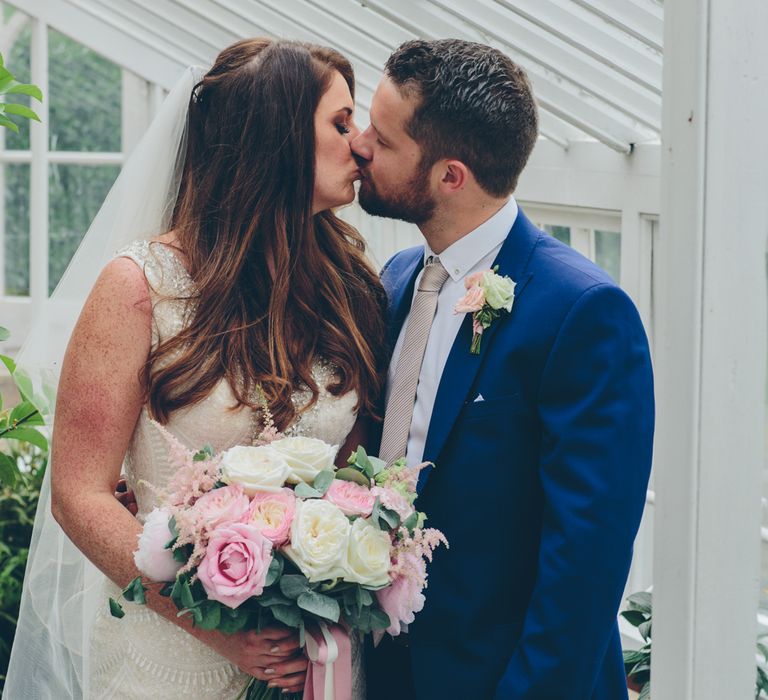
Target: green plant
10, 86
20, 422
17, 515
637, 663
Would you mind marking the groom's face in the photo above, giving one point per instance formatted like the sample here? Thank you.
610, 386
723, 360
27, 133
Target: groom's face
394, 182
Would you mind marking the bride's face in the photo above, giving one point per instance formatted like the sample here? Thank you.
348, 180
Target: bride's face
335, 168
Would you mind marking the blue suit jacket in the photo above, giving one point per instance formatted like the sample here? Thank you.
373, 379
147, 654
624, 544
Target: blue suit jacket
539, 488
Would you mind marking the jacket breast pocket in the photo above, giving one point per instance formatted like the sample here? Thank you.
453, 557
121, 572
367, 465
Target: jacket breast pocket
509, 403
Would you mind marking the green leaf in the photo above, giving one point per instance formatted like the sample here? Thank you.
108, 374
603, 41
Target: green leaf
640, 601
352, 474
411, 521
275, 570
204, 454
210, 616
321, 605
379, 619
289, 615
10, 365
26, 413
115, 609
232, 620
135, 591
303, 490
645, 693
9, 470
24, 89
273, 596
30, 435
323, 481
645, 630
23, 384
187, 599
293, 585
633, 617
167, 589
4, 121
21, 111
379, 465
4, 334
385, 518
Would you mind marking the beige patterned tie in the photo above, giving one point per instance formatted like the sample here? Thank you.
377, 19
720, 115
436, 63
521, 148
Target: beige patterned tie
399, 412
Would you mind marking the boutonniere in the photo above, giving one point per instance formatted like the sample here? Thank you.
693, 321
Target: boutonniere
488, 294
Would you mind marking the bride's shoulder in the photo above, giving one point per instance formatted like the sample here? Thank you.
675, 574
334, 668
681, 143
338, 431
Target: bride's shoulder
161, 262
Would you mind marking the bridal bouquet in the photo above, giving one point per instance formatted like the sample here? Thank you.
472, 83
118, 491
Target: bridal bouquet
275, 533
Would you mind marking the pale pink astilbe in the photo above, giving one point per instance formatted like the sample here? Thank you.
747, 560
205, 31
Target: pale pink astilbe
191, 479
269, 433
411, 552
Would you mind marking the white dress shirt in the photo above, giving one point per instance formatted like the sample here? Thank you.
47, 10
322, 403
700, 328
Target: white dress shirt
475, 251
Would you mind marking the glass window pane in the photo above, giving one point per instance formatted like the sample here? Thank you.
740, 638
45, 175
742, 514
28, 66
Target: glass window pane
15, 233
608, 252
16, 55
562, 233
85, 98
76, 192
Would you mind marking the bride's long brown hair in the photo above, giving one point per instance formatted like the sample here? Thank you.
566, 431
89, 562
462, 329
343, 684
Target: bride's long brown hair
276, 287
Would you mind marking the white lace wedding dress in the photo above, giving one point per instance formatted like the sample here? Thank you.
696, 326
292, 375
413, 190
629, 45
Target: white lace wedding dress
143, 655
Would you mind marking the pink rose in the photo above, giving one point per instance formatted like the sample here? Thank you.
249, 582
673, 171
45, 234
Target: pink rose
350, 498
235, 564
475, 278
401, 601
472, 301
228, 504
272, 514
152, 558
394, 500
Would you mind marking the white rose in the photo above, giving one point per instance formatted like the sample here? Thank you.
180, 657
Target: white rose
152, 558
254, 468
368, 555
307, 457
499, 291
319, 538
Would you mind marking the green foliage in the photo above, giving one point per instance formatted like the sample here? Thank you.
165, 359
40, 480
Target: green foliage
10, 86
17, 422
637, 663
17, 514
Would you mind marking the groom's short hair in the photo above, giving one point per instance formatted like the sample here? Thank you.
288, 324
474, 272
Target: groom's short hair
474, 104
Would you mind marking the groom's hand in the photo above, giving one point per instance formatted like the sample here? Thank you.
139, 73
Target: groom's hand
126, 497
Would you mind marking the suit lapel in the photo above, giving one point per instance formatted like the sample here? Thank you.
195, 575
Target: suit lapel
462, 366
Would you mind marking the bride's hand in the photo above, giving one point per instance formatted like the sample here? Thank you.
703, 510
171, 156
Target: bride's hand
272, 655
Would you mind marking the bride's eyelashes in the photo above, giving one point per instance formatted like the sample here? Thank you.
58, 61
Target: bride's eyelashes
343, 129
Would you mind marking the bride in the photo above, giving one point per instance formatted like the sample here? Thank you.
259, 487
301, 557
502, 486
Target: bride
237, 281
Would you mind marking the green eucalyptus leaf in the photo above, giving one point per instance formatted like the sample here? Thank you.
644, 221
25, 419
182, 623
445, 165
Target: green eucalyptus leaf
115, 609
321, 605
293, 585
210, 615
289, 615
303, 490
379, 619
275, 570
352, 474
323, 481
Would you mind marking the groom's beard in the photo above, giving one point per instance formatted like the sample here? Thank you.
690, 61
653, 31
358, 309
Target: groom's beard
413, 203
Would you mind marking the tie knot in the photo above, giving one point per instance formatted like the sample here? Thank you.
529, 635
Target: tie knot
433, 277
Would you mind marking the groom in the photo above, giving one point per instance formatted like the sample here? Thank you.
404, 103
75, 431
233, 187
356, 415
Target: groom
542, 442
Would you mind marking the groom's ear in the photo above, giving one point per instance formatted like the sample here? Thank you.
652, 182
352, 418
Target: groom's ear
455, 176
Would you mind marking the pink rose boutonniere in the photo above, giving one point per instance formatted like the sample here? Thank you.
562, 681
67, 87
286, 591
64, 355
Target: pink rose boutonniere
488, 294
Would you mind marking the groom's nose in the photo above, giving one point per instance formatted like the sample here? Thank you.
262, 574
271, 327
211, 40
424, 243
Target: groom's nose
361, 147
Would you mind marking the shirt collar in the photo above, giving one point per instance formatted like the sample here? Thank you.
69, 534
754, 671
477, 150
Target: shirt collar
460, 257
